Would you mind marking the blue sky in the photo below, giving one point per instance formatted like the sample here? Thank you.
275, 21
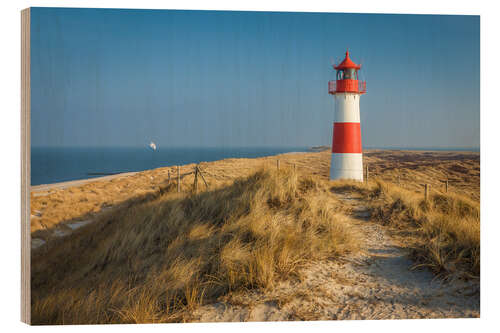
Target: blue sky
104, 77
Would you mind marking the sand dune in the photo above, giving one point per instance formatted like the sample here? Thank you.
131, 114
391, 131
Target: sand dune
374, 280
78, 200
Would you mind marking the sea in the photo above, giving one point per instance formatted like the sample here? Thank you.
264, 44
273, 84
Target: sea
53, 165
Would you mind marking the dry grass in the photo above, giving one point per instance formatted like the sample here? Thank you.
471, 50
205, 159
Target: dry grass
443, 233
410, 168
86, 201
52, 207
158, 254
157, 260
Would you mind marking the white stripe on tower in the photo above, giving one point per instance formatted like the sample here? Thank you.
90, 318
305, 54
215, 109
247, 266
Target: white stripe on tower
347, 108
347, 166
347, 157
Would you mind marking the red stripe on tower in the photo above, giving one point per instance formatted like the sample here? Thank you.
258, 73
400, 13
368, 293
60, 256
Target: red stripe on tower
346, 138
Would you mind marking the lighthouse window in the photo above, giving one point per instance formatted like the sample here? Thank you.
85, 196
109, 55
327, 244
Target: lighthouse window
340, 74
347, 74
350, 74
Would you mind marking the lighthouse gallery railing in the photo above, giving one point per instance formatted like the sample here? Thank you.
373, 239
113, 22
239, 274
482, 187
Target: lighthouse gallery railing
332, 87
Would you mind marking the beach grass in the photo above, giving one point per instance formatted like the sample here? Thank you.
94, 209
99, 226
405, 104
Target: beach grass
155, 254
443, 233
157, 260
53, 207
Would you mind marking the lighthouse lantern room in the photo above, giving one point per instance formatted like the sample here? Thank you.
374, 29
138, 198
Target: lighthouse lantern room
347, 157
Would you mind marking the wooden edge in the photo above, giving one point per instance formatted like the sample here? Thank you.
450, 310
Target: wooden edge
25, 168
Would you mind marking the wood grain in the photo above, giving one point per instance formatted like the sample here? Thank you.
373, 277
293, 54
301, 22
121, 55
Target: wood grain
25, 168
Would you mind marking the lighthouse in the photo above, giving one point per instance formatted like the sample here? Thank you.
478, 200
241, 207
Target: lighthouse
347, 156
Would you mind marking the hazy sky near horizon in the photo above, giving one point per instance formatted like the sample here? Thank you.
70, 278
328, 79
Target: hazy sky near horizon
107, 77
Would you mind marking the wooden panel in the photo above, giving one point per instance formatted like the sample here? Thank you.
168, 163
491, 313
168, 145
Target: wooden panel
25, 168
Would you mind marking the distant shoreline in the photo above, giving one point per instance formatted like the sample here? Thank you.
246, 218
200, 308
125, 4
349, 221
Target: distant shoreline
423, 149
76, 182
316, 149
459, 149
52, 165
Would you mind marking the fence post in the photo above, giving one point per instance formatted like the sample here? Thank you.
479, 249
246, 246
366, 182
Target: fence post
399, 180
446, 185
294, 167
178, 179
203, 178
278, 164
196, 179
169, 176
367, 173
427, 189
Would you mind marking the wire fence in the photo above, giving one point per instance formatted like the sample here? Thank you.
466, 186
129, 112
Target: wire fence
368, 175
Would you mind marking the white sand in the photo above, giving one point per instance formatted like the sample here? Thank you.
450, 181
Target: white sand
36, 243
79, 224
60, 232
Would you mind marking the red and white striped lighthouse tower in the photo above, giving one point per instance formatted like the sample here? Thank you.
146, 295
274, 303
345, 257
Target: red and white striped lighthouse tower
347, 157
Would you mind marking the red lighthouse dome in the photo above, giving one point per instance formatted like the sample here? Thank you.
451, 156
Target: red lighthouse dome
347, 63
347, 78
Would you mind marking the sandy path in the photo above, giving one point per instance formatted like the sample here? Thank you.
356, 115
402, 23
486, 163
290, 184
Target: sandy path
377, 283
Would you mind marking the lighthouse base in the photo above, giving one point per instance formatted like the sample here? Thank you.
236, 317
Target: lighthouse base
347, 166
